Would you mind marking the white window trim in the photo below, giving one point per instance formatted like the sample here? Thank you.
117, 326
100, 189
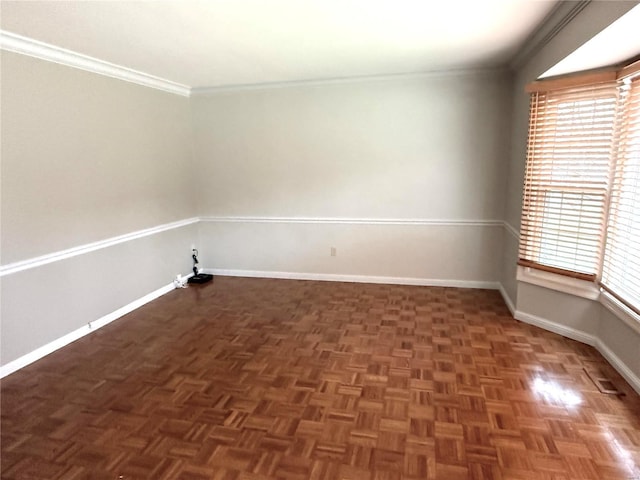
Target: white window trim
561, 283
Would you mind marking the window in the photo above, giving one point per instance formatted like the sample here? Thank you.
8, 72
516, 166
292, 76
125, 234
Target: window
566, 180
621, 272
581, 201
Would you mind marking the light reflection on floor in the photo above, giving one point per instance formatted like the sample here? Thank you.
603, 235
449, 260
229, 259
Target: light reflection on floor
553, 392
624, 456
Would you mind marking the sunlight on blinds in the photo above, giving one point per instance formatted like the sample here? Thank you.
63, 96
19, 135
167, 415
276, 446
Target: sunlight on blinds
566, 179
621, 270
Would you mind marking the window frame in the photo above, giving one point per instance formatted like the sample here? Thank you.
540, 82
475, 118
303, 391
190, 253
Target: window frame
567, 281
621, 214
545, 128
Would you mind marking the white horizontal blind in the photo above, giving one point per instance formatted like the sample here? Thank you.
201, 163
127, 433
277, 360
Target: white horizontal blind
621, 269
566, 179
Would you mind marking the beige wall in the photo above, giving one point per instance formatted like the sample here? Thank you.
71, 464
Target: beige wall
85, 158
420, 254
567, 311
427, 147
622, 340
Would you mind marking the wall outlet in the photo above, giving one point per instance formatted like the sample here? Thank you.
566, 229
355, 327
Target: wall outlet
334, 251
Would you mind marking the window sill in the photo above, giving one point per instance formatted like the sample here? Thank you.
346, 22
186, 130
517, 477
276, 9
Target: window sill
620, 310
561, 283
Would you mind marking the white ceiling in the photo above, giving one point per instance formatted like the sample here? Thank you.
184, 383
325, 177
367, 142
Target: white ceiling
615, 44
236, 42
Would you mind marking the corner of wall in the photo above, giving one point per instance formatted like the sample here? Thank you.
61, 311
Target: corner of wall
507, 299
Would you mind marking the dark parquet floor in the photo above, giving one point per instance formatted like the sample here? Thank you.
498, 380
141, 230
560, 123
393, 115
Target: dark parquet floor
256, 379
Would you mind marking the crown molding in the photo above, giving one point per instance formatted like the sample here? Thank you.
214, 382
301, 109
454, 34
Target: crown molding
12, 42
357, 221
346, 80
552, 24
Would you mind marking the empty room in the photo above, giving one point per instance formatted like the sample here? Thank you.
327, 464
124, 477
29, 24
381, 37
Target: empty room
329, 240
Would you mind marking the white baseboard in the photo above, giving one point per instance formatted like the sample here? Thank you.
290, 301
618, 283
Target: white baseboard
583, 337
90, 327
332, 277
563, 330
507, 299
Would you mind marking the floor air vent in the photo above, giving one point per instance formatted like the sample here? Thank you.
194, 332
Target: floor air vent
604, 384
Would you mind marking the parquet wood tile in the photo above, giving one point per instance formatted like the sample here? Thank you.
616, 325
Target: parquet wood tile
256, 379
